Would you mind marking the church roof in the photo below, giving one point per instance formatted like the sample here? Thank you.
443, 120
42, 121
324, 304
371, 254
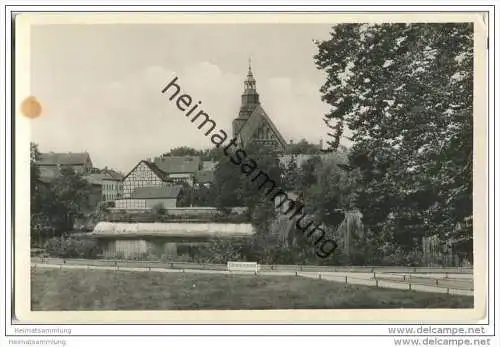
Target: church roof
258, 117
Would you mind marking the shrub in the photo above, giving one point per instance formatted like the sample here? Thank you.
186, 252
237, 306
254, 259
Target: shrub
404, 258
71, 247
158, 209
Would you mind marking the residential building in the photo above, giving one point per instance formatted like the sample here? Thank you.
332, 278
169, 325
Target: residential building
51, 163
110, 182
144, 174
113, 185
148, 197
179, 170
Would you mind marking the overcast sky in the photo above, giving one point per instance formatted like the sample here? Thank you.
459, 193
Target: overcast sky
100, 85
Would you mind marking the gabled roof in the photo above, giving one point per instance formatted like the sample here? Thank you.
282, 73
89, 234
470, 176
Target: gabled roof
98, 178
63, 158
95, 178
159, 173
256, 120
156, 192
185, 164
112, 175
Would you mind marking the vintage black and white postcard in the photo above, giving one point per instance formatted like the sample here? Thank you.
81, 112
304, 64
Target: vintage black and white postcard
237, 167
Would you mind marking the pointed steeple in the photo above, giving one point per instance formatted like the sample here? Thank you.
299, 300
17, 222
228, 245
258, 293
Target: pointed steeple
250, 81
249, 100
250, 97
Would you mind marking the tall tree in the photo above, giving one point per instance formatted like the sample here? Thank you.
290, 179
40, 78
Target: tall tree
69, 199
181, 151
35, 178
405, 92
290, 177
303, 147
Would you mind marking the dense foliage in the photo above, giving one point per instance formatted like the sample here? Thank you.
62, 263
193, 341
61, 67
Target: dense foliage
404, 91
55, 205
71, 247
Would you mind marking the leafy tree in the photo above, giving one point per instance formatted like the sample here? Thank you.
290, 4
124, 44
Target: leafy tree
158, 209
68, 199
227, 185
35, 178
181, 151
405, 92
40, 202
186, 195
233, 187
213, 154
303, 147
307, 174
333, 193
290, 176
202, 196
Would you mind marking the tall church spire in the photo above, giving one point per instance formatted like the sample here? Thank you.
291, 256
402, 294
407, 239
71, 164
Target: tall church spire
252, 123
250, 97
250, 81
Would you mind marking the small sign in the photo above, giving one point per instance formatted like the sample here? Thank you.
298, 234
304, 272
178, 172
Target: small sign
242, 266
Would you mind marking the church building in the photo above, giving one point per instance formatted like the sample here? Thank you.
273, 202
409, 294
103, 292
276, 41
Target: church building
253, 125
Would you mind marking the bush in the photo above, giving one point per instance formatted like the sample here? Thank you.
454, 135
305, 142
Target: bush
71, 247
403, 258
158, 209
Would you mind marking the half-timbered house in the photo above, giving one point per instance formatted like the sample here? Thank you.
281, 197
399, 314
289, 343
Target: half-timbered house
180, 170
144, 174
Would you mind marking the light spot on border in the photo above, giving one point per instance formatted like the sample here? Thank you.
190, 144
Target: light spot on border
31, 107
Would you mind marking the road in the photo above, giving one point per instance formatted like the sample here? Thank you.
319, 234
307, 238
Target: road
444, 282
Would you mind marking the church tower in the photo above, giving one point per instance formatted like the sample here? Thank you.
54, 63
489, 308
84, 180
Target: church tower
249, 101
252, 123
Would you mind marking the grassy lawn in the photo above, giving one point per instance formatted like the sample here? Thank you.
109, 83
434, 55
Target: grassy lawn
79, 289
